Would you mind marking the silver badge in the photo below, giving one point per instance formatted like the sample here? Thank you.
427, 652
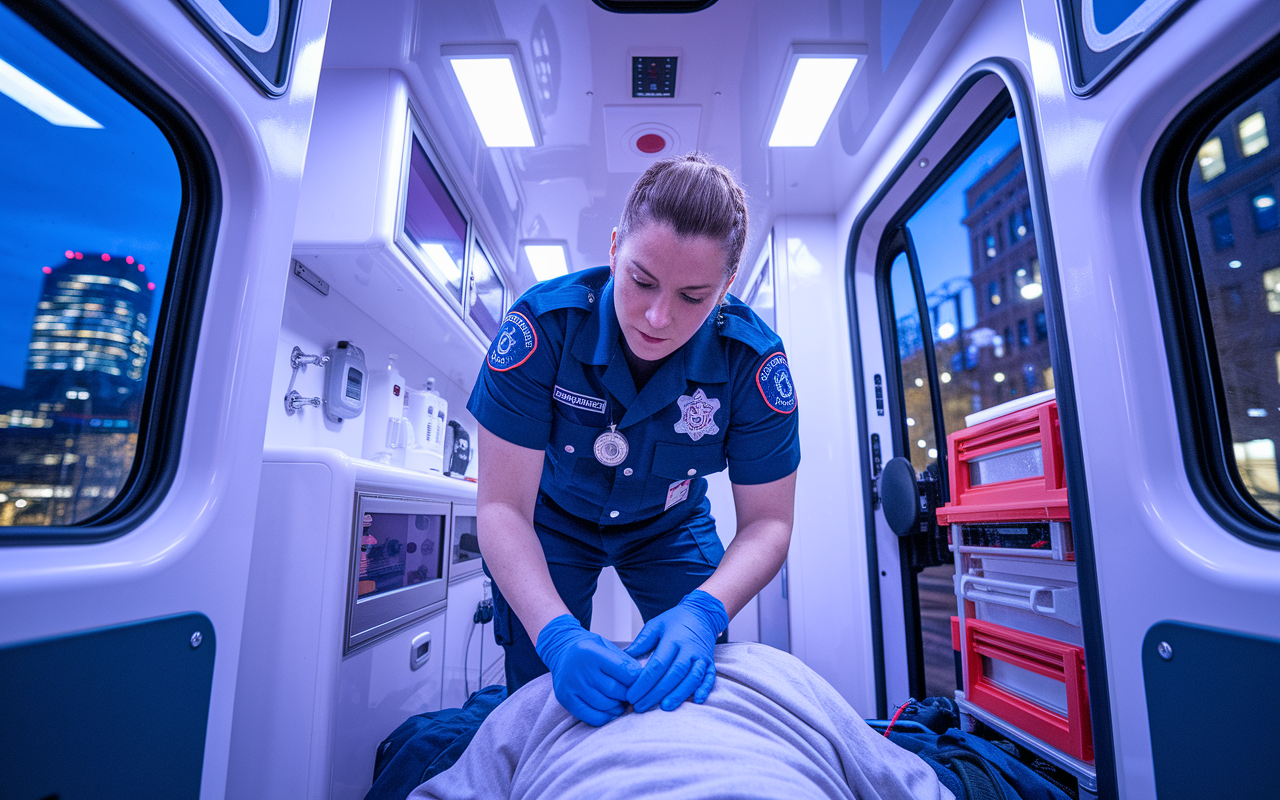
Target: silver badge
611, 447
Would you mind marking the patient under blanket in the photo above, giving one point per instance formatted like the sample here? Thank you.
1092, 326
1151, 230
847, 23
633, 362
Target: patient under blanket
772, 728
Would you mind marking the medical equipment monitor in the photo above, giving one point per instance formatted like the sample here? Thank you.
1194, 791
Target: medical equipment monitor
465, 556
398, 569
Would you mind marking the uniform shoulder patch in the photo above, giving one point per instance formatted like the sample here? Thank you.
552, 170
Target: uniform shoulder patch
774, 380
515, 342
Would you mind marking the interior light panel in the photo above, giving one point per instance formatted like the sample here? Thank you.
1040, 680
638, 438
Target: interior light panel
547, 260
489, 85
815, 87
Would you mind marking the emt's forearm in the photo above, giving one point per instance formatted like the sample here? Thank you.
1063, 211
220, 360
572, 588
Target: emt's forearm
754, 556
515, 559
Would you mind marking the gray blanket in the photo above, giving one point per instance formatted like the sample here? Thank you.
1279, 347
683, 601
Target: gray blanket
771, 729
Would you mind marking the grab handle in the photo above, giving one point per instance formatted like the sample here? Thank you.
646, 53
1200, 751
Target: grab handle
1057, 602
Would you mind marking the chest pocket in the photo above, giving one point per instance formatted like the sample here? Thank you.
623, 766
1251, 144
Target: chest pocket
571, 451
677, 462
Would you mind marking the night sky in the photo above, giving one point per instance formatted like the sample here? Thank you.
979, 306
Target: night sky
941, 239
115, 189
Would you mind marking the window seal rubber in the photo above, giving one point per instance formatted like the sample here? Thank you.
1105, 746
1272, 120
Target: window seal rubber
172, 363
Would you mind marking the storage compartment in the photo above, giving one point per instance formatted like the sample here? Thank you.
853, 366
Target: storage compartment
1008, 469
398, 568
1039, 597
1033, 682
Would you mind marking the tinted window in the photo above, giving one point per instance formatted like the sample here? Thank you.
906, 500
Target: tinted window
487, 300
434, 224
989, 186
89, 212
922, 442
1240, 285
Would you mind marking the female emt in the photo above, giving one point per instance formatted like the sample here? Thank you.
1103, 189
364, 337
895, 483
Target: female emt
605, 400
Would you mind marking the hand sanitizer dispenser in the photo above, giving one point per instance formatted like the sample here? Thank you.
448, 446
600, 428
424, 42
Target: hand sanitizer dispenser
427, 412
386, 432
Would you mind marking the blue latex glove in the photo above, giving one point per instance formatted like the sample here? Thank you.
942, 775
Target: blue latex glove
590, 674
683, 641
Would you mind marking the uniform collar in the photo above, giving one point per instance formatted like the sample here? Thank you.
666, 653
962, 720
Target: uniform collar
702, 360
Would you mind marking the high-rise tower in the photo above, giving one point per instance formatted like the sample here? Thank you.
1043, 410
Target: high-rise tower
90, 330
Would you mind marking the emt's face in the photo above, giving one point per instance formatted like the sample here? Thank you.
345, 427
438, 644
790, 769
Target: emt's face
664, 287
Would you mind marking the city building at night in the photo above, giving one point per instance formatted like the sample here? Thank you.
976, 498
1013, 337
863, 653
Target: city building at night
67, 437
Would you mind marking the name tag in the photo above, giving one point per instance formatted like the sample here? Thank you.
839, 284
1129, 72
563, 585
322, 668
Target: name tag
677, 492
575, 400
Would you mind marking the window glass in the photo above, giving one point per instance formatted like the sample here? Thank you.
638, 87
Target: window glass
922, 445
1266, 217
1243, 298
88, 218
434, 224
487, 306
987, 187
1220, 227
1253, 134
1211, 161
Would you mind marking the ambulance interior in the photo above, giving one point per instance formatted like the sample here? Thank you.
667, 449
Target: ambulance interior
969, 258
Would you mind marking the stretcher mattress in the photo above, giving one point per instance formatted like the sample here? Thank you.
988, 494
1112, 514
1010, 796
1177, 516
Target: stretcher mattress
772, 728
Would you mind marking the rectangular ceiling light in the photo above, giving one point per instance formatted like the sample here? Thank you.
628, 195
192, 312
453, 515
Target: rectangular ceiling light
36, 98
492, 81
547, 259
815, 78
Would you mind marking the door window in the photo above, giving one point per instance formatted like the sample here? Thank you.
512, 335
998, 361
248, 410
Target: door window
90, 212
979, 297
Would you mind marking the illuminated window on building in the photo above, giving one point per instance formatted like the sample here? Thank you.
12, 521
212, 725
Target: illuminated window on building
1266, 217
1220, 229
1042, 327
1027, 280
1024, 335
1271, 284
991, 245
1253, 134
993, 294
88, 217
1211, 161
1256, 465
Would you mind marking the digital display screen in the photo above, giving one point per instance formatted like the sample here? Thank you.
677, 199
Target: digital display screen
354, 381
399, 550
466, 545
653, 76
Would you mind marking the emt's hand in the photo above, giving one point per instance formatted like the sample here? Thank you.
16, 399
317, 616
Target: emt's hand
590, 674
683, 640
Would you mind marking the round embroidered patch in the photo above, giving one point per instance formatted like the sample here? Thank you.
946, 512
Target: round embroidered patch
515, 342
774, 380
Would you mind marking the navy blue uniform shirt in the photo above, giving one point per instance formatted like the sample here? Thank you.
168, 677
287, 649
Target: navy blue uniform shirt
556, 376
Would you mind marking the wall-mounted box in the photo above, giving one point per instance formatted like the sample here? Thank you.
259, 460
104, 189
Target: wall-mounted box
386, 221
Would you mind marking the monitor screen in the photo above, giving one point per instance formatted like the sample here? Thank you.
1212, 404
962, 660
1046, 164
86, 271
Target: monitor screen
398, 550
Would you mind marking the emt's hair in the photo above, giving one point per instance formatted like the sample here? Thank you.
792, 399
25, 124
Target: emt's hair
696, 197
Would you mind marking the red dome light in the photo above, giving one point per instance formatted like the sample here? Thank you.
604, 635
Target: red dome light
70, 254
151, 286
651, 143
142, 268
106, 257
47, 270
128, 259
79, 255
